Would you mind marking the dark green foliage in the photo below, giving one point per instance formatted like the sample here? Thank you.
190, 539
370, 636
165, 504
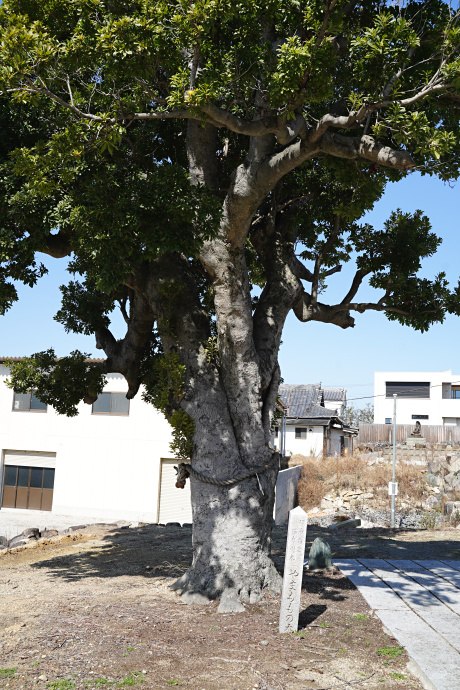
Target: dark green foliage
84, 309
93, 163
62, 383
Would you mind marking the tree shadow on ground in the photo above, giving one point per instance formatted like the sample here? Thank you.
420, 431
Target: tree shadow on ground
153, 551
148, 552
394, 544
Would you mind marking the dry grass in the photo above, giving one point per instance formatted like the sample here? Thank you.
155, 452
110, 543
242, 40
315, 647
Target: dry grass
332, 475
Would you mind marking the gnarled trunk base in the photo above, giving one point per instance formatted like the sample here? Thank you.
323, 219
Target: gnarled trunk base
231, 540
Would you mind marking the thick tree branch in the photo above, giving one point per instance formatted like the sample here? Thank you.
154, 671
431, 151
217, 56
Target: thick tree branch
58, 246
361, 307
338, 121
305, 311
331, 271
355, 285
252, 128
274, 244
124, 356
300, 270
365, 147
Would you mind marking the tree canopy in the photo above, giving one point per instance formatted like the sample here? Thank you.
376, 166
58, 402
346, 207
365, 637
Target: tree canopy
182, 153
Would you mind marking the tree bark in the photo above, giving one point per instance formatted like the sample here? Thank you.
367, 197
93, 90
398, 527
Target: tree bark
231, 531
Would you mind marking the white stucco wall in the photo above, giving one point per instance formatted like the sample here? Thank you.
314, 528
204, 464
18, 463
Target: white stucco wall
312, 445
107, 466
440, 407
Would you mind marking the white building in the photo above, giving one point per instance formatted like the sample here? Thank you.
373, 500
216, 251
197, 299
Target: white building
430, 397
111, 461
313, 423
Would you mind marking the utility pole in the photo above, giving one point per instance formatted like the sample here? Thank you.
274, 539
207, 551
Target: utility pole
283, 433
393, 482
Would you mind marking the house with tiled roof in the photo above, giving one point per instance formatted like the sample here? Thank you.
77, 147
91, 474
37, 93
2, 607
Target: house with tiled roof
311, 421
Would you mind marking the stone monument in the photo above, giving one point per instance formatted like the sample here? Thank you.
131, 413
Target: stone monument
293, 570
416, 435
319, 557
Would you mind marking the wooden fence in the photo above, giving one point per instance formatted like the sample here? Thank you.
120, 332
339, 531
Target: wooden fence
383, 433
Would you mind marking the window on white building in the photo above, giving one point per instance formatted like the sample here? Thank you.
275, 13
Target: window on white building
111, 403
28, 401
300, 432
408, 389
387, 420
420, 416
456, 393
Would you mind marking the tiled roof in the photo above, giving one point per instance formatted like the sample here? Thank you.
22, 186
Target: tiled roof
300, 399
305, 400
334, 394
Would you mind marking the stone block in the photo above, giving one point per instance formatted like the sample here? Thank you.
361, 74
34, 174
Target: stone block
454, 464
451, 507
286, 493
346, 523
434, 467
433, 479
47, 533
76, 528
448, 478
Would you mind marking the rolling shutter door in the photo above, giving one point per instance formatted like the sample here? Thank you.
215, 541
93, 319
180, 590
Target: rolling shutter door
28, 480
174, 504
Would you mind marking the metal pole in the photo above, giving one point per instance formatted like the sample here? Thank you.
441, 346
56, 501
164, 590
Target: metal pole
283, 434
394, 465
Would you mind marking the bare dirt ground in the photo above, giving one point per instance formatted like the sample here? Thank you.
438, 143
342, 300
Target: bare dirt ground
94, 610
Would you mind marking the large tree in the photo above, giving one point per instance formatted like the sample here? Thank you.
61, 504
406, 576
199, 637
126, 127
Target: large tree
205, 165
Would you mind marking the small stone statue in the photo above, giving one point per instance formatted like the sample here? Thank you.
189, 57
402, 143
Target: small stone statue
417, 432
319, 557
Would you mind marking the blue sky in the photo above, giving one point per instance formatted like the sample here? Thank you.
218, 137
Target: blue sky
310, 352
321, 352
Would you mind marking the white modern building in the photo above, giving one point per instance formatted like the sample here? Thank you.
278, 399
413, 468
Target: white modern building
313, 424
111, 461
430, 397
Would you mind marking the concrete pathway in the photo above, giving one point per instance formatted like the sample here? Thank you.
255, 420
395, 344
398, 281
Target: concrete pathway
13, 521
419, 603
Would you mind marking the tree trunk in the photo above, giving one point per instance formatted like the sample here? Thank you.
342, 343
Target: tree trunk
232, 528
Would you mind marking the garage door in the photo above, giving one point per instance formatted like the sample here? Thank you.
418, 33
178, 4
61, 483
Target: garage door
174, 504
28, 480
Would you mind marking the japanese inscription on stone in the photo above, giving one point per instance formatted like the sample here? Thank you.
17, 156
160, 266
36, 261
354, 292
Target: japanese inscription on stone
293, 568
